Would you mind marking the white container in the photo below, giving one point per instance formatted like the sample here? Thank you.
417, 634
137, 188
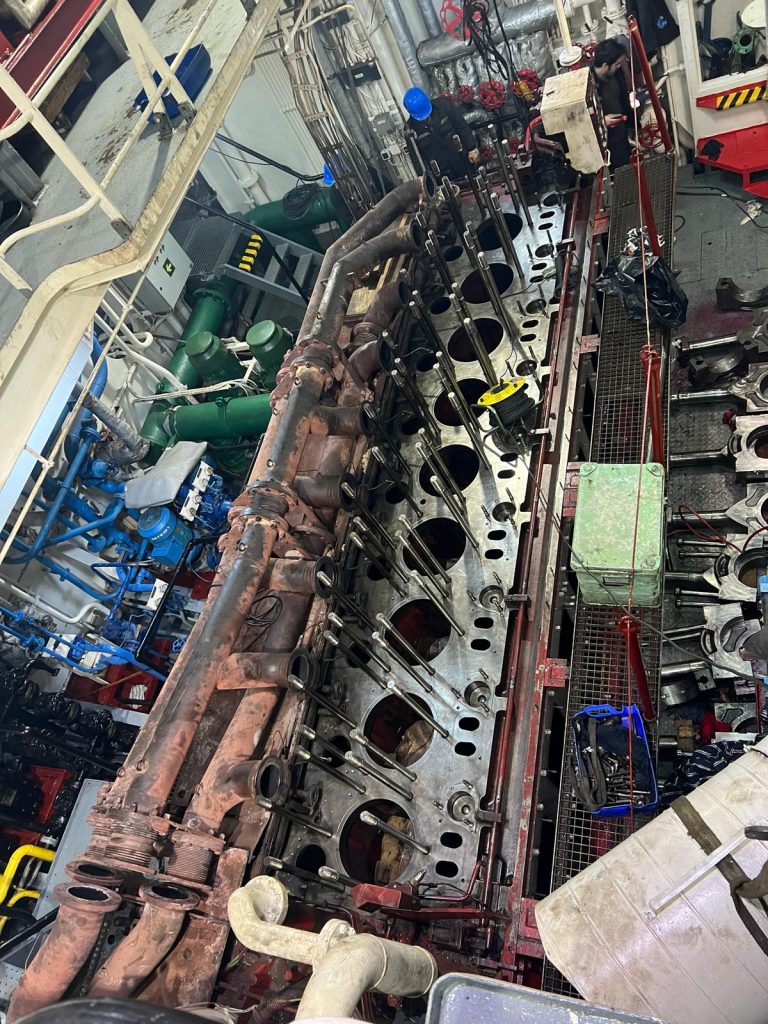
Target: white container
651, 927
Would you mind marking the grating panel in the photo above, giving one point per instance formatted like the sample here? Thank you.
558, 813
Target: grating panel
599, 671
620, 400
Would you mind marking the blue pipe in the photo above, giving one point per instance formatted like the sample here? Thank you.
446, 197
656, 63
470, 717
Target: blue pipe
66, 485
112, 513
111, 654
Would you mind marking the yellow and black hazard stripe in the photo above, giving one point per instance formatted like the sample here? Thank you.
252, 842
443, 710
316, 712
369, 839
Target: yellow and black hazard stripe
251, 251
738, 98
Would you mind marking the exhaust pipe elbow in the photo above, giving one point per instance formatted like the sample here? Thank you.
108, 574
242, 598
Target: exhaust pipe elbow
82, 908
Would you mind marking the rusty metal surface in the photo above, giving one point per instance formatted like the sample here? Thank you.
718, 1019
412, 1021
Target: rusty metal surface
204, 742
82, 909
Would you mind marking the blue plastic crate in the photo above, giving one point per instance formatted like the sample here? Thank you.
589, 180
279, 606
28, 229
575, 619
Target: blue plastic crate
192, 72
642, 761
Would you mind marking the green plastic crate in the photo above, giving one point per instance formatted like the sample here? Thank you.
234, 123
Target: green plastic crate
603, 534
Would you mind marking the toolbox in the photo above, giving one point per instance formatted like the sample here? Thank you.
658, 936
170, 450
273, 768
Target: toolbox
605, 548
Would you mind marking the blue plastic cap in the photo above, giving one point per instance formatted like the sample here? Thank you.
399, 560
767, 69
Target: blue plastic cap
328, 178
417, 103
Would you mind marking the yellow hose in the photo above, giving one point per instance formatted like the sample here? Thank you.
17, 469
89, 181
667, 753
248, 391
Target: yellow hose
18, 855
20, 894
8, 875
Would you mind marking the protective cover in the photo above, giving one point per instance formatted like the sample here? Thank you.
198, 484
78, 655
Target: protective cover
667, 302
160, 484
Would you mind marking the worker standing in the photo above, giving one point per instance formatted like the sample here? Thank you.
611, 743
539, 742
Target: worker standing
434, 122
608, 69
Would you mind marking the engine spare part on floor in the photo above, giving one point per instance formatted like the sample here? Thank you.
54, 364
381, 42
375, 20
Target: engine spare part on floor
613, 769
731, 297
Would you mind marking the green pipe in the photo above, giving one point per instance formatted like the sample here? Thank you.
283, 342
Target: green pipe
225, 420
211, 308
327, 206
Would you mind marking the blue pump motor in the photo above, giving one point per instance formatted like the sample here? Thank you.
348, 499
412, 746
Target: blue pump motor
167, 534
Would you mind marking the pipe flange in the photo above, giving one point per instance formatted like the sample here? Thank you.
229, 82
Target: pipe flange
86, 872
269, 898
331, 934
89, 898
168, 896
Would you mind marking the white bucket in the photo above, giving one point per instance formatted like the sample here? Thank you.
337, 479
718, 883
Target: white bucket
651, 927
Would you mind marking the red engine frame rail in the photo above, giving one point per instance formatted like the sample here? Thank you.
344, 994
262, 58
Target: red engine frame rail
32, 57
530, 670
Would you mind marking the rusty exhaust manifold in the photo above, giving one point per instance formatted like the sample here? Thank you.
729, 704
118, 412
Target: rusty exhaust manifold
319, 395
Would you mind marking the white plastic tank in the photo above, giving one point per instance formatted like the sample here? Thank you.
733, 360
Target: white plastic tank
651, 927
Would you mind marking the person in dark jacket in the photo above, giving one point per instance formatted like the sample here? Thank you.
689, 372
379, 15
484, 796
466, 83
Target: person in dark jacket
434, 122
608, 69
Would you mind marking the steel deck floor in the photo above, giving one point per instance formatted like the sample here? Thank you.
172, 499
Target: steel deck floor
599, 671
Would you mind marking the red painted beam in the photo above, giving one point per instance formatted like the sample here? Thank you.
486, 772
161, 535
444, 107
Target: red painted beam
35, 55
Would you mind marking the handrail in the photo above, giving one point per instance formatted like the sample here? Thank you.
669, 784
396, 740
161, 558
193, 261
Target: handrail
64, 305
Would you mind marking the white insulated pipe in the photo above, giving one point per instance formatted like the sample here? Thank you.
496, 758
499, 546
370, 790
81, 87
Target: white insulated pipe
345, 965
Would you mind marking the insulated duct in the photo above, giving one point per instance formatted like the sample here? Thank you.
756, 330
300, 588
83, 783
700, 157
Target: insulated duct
521, 20
405, 43
429, 17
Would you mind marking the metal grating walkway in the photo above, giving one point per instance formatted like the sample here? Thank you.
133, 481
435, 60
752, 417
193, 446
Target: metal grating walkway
598, 663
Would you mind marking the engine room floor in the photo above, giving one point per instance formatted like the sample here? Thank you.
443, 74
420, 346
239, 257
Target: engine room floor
712, 242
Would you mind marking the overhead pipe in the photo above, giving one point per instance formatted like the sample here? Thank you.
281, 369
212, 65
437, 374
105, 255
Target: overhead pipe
82, 909
405, 42
151, 939
430, 17
521, 20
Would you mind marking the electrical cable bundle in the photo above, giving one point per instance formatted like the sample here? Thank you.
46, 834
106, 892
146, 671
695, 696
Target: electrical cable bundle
509, 400
298, 201
478, 30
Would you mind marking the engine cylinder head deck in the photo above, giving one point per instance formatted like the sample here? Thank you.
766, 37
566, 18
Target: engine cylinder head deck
419, 620
365, 755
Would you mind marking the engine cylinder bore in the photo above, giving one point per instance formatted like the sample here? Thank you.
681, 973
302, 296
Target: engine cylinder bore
474, 290
460, 348
396, 729
757, 443
488, 235
422, 625
461, 461
441, 539
471, 389
367, 854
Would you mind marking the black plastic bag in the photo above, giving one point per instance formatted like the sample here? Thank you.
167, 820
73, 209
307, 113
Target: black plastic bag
667, 302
